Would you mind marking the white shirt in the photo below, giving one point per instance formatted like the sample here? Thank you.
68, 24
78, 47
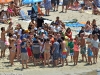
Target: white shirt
95, 43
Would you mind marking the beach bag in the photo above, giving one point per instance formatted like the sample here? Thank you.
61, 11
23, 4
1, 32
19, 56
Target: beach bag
23, 15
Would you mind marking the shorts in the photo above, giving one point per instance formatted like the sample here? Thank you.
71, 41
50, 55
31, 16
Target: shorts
71, 54
2, 44
65, 2
83, 50
55, 56
56, 2
24, 56
37, 56
64, 56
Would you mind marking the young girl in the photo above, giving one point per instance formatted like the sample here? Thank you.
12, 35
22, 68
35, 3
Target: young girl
76, 50
18, 47
95, 48
90, 54
29, 51
47, 51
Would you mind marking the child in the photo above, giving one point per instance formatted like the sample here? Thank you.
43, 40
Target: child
29, 51
64, 51
71, 46
76, 50
18, 47
90, 53
24, 55
83, 46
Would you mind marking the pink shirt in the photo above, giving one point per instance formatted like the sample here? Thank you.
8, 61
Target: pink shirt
76, 47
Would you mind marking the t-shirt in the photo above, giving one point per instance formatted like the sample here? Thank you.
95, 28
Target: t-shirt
40, 21
59, 41
56, 46
71, 44
36, 47
23, 50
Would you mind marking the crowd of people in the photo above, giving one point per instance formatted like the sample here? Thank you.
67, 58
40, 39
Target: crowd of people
48, 44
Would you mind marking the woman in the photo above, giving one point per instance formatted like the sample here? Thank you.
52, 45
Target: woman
93, 22
68, 33
4, 17
47, 51
12, 49
88, 27
95, 10
95, 48
76, 50
32, 25
47, 4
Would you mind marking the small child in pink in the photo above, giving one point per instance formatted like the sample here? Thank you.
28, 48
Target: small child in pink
18, 47
76, 50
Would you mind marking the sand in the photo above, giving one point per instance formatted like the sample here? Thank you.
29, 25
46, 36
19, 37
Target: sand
80, 69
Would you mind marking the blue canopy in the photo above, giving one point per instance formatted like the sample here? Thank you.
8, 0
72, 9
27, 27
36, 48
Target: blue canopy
31, 1
75, 24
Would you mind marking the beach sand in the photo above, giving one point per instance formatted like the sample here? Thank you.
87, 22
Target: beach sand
80, 69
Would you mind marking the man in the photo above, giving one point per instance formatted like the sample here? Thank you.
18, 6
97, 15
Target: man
64, 51
40, 21
55, 52
65, 3
2, 42
36, 49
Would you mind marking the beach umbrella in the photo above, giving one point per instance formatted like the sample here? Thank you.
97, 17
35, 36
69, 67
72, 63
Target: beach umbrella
5, 1
30, 1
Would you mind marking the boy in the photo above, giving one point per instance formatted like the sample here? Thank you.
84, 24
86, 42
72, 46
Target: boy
24, 54
83, 46
64, 51
71, 46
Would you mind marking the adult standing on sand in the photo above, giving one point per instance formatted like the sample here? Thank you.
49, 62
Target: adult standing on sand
55, 52
3, 39
47, 4
65, 3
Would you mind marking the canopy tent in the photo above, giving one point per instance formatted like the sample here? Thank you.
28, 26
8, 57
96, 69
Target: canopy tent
31, 1
5, 1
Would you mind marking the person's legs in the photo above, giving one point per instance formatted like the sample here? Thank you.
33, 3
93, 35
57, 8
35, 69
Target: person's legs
77, 54
18, 52
74, 58
26, 63
12, 56
44, 58
22, 63
48, 56
48, 12
96, 53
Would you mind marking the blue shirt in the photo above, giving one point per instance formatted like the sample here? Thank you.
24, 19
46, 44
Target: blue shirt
56, 47
23, 50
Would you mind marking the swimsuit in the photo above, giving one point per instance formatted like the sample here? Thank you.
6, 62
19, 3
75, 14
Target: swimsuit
46, 51
83, 50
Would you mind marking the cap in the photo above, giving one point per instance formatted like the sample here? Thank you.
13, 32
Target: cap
42, 30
